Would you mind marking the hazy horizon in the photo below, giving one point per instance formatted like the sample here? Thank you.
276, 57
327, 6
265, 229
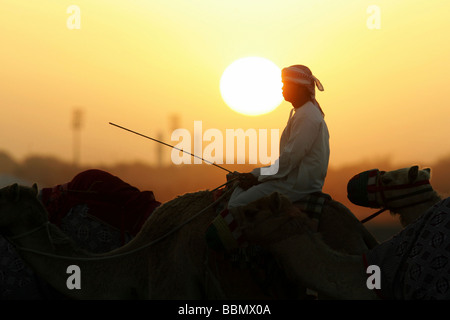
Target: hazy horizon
168, 182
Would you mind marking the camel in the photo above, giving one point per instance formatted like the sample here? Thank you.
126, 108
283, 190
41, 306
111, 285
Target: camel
169, 257
404, 192
344, 276
402, 207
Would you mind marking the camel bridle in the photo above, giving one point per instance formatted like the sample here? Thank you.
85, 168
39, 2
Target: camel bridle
378, 189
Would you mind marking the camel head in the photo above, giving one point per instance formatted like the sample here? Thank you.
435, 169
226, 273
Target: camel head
17, 204
270, 219
398, 190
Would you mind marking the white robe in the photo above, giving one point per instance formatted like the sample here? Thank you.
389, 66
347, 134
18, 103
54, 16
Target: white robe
303, 160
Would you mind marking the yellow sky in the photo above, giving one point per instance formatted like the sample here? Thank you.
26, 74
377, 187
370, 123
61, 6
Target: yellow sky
137, 63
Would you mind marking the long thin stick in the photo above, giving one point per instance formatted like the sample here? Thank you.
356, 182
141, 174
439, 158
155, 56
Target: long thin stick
166, 144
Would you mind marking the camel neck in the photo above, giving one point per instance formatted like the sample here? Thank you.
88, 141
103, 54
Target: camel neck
410, 214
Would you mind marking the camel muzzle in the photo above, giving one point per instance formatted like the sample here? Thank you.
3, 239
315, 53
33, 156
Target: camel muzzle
362, 188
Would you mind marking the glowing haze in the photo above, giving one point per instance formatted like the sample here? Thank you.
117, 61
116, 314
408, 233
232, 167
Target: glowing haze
155, 66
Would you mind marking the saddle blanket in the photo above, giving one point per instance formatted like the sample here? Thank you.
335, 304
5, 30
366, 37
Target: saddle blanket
313, 204
224, 234
415, 263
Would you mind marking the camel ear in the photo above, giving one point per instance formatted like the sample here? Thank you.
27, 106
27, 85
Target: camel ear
413, 173
14, 192
35, 189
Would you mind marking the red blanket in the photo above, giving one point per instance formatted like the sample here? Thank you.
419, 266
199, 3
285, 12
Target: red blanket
109, 199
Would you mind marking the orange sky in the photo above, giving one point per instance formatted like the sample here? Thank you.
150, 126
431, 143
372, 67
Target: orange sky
137, 63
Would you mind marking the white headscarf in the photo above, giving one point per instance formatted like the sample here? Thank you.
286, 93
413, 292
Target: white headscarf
302, 75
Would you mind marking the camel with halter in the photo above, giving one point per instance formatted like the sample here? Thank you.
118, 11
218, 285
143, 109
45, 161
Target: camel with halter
169, 258
422, 211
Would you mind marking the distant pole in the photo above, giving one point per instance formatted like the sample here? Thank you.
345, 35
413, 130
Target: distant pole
77, 122
159, 151
174, 120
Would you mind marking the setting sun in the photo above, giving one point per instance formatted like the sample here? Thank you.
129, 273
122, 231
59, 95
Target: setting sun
252, 86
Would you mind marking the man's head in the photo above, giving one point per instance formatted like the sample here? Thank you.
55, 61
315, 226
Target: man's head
295, 93
299, 84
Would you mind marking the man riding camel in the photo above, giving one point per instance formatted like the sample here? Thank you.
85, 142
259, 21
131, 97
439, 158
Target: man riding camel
304, 147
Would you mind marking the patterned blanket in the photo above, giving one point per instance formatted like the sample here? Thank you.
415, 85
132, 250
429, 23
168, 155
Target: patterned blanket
99, 211
313, 204
18, 280
415, 264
